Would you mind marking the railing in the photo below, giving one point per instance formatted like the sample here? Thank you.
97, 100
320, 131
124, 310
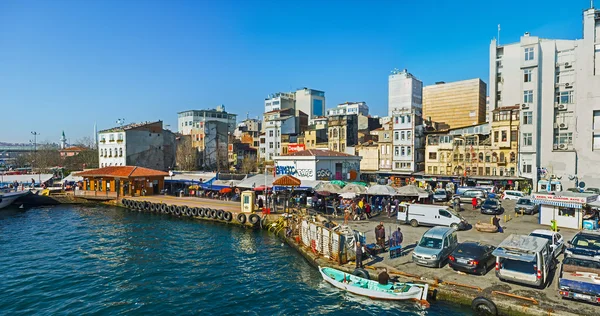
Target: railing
96, 194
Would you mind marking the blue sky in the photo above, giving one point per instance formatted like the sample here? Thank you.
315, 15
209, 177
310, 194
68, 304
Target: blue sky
68, 64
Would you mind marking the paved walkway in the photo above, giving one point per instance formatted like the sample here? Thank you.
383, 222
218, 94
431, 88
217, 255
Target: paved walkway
230, 206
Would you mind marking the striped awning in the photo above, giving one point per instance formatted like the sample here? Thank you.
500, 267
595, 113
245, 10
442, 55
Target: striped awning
556, 203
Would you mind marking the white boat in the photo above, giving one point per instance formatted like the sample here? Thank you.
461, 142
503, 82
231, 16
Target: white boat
8, 197
374, 290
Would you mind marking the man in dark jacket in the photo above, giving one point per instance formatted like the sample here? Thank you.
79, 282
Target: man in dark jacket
360, 250
380, 235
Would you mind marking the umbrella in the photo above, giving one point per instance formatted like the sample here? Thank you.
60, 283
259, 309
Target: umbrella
323, 193
411, 190
328, 186
381, 190
348, 195
338, 182
359, 183
226, 190
261, 188
354, 188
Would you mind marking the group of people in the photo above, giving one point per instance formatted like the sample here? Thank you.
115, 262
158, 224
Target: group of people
396, 239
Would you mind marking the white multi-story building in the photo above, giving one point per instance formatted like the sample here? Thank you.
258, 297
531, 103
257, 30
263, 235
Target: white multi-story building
350, 108
277, 124
141, 144
191, 119
311, 102
280, 101
408, 141
557, 85
404, 91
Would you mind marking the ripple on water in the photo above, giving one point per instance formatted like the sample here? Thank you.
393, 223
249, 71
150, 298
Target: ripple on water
103, 260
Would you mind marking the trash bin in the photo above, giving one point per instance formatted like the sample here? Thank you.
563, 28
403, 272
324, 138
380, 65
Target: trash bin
553, 225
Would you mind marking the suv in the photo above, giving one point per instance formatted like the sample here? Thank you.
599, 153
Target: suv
584, 244
467, 196
526, 205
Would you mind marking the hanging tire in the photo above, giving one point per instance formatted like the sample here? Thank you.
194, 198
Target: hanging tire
185, 211
124, 202
254, 219
360, 272
227, 216
178, 210
220, 214
483, 306
152, 207
201, 212
163, 208
172, 209
241, 217
213, 213
195, 211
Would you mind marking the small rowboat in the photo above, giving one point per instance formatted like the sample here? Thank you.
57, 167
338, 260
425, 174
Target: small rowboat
374, 290
486, 228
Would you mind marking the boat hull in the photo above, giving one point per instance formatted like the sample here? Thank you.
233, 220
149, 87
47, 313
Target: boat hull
364, 287
7, 199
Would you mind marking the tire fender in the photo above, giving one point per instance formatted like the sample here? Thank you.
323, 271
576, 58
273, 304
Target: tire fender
483, 306
254, 219
227, 216
241, 217
220, 214
213, 213
359, 272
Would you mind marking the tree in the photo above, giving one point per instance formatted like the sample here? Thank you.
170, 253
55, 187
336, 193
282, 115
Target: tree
249, 165
186, 156
86, 142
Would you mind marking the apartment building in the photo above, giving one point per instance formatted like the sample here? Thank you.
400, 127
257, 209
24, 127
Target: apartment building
189, 119
343, 133
408, 141
350, 108
404, 91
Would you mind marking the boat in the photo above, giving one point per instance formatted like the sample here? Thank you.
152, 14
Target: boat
486, 228
372, 289
8, 197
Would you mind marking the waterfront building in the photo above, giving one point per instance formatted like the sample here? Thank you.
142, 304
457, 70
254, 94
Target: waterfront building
342, 133
279, 124
144, 144
350, 108
109, 183
404, 91
318, 164
408, 141
458, 104
187, 120
555, 82
210, 138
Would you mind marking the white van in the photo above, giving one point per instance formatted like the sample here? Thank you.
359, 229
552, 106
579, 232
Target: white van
512, 195
430, 215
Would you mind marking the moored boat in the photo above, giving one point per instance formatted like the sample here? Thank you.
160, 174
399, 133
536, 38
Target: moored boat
8, 197
365, 287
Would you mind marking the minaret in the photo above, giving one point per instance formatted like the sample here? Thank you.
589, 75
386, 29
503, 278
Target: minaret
63, 141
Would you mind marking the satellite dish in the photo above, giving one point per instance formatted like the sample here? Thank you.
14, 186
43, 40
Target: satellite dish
581, 184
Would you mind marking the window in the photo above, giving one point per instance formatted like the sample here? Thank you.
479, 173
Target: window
277, 133
487, 171
526, 168
335, 133
396, 150
564, 211
480, 158
120, 137
408, 119
513, 136
563, 138
270, 144
343, 147
386, 135
402, 119
120, 152
270, 133
528, 96
461, 157
432, 156
409, 135
527, 118
564, 97
408, 150
435, 169
110, 152
527, 139
278, 145
496, 136
527, 75
402, 151
501, 157
396, 135
402, 135
430, 170
504, 135
529, 53
499, 96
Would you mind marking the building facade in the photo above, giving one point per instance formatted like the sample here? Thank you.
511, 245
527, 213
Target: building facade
280, 124
350, 108
311, 102
187, 120
316, 164
556, 84
211, 140
404, 91
458, 104
141, 144
343, 133
408, 141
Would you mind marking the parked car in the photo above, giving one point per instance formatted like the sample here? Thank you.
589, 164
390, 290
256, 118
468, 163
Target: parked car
524, 259
435, 246
557, 242
512, 195
584, 243
440, 195
592, 190
526, 205
468, 195
491, 207
472, 257
577, 279
430, 215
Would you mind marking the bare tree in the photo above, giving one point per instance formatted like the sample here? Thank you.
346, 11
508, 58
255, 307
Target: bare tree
186, 155
86, 142
249, 165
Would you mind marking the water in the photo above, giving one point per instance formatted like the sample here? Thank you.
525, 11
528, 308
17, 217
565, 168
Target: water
107, 261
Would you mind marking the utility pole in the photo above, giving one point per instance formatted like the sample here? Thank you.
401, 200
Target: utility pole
35, 134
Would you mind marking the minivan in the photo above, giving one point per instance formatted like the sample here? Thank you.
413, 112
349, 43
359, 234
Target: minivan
524, 259
435, 246
430, 215
512, 195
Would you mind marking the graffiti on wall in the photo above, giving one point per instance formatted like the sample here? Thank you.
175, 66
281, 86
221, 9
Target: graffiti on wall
324, 174
292, 171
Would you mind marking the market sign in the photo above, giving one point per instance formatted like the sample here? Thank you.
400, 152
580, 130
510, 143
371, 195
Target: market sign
558, 198
292, 148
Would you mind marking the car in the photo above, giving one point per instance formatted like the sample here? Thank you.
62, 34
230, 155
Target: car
584, 243
526, 205
592, 190
472, 257
435, 246
491, 207
440, 195
557, 242
512, 195
468, 195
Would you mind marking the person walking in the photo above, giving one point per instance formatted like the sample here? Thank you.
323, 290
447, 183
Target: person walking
474, 203
398, 237
368, 210
496, 222
360, 250
380, 235
260, 204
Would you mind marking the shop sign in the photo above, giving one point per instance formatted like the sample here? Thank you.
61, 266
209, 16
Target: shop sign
292, 148
555, 198
292, 171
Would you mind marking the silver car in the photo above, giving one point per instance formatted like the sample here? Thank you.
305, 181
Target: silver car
435, 246
526, 205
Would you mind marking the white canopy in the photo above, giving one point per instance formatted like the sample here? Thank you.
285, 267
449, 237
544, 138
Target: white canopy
379, 189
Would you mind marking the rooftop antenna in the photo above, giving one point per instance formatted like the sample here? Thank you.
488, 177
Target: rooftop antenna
121, 121
498, 42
